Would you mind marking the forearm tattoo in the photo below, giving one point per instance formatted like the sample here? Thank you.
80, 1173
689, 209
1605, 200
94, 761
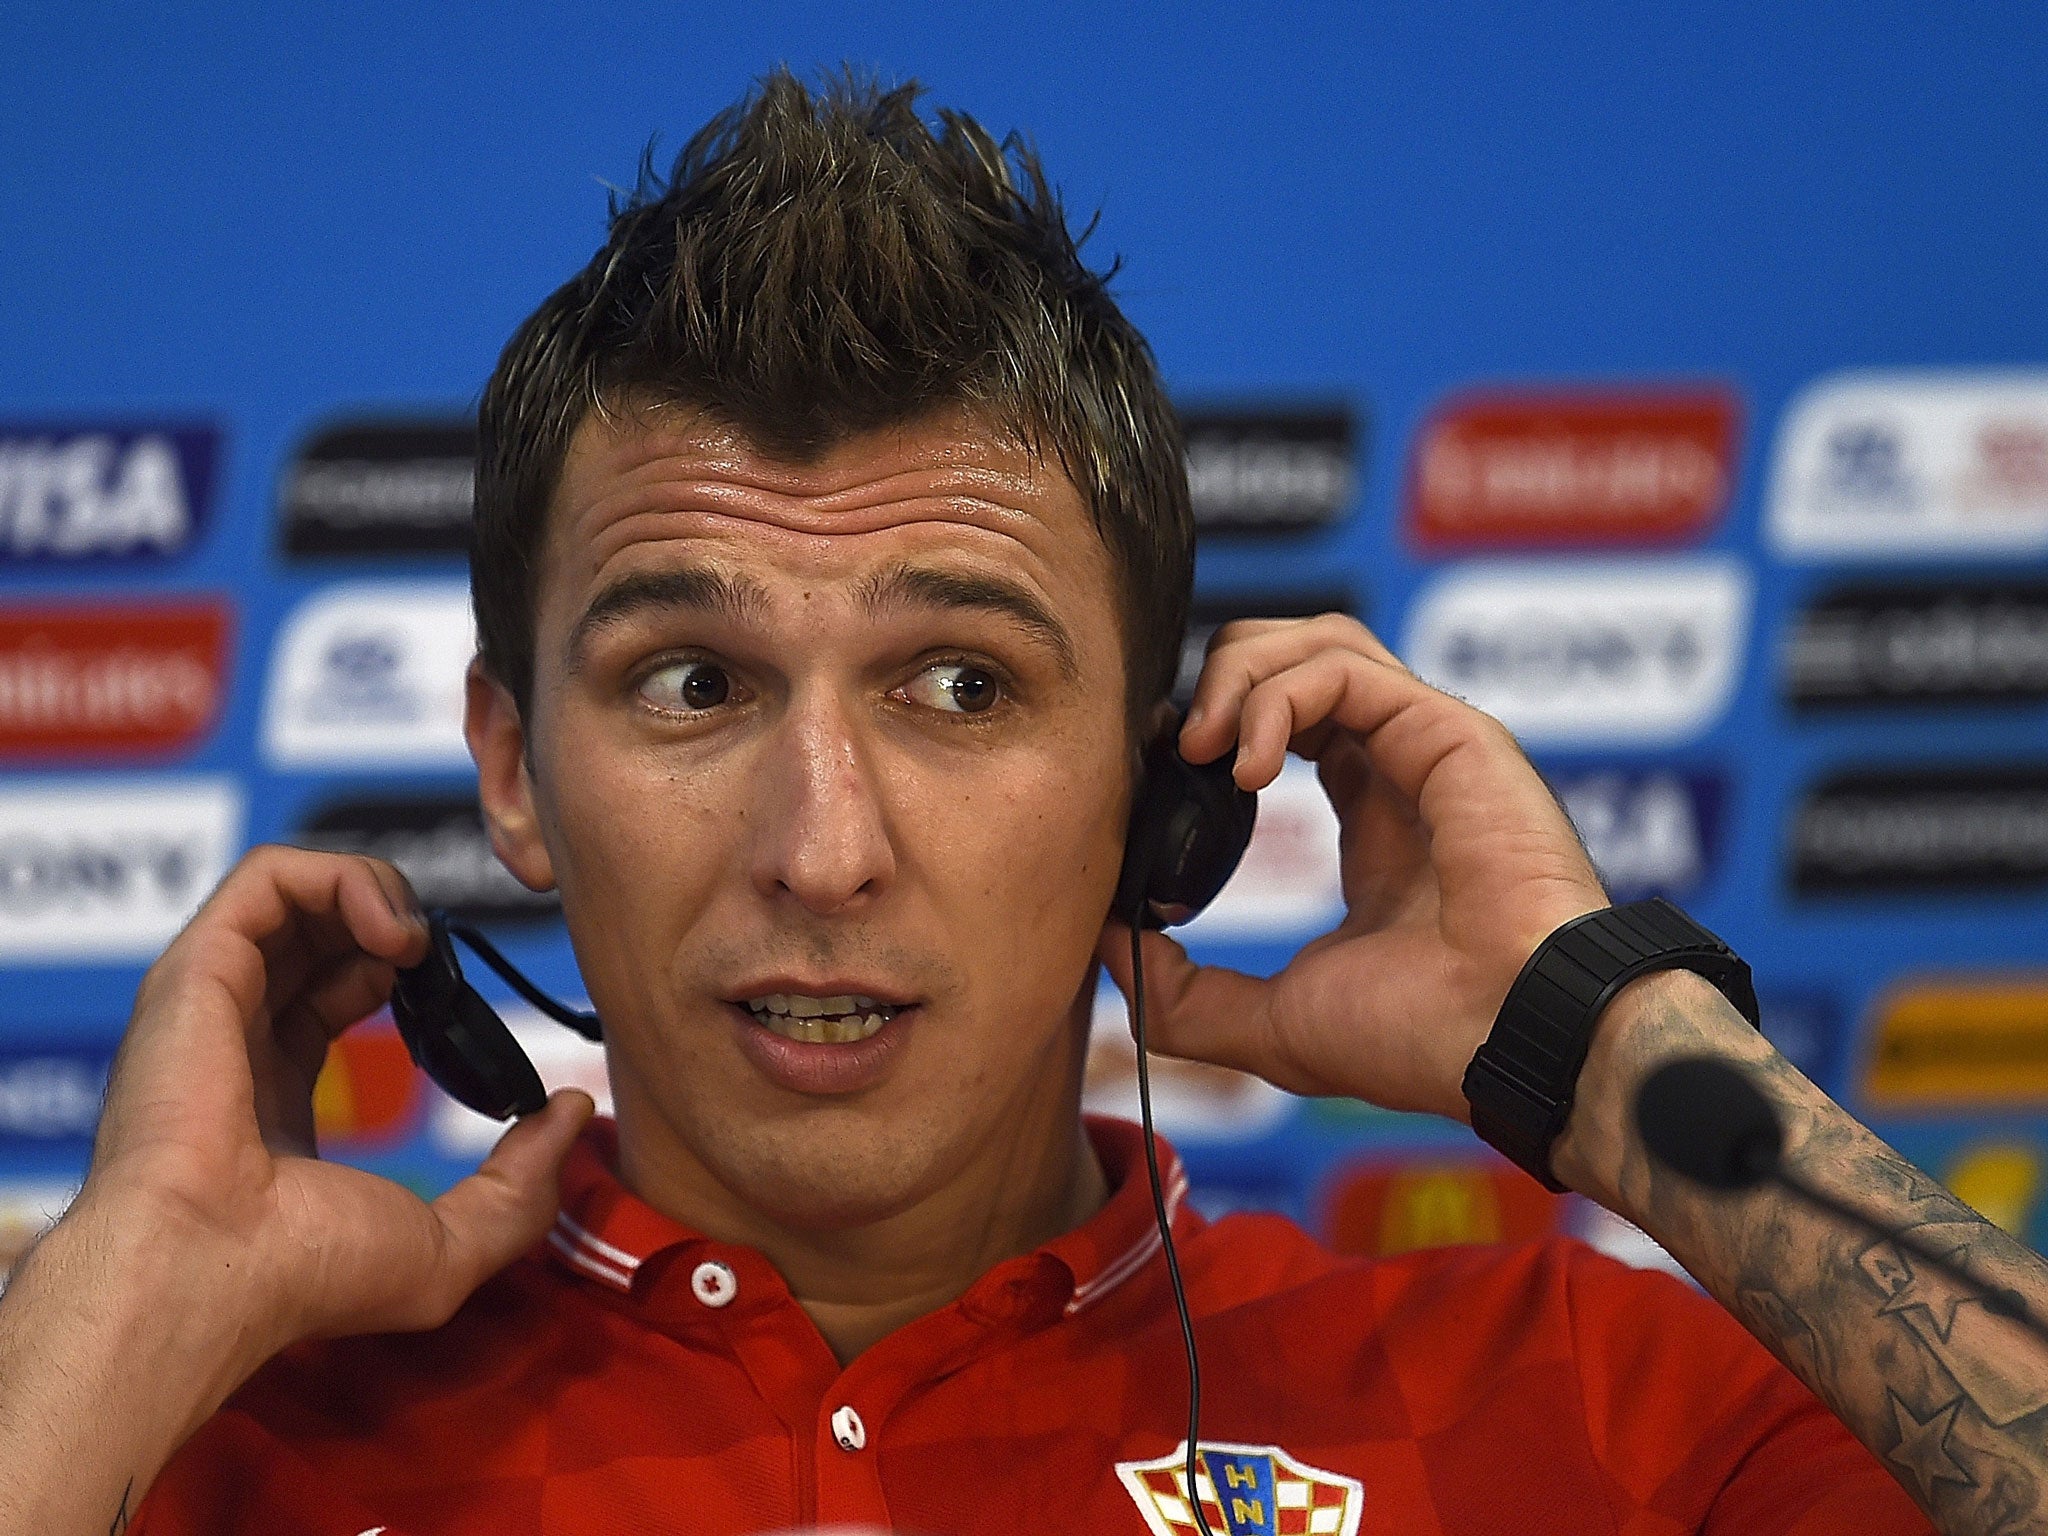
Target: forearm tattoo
120, 1521
1950, 1393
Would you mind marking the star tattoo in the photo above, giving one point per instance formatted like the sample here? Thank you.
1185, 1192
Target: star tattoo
1923, 1446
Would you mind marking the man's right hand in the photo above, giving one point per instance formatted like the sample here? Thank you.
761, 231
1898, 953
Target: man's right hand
206, 1193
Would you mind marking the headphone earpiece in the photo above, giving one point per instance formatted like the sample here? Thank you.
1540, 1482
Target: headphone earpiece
1189, 827
457, 1038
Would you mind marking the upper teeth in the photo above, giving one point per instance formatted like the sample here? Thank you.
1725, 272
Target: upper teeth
811, 1007
838, 1020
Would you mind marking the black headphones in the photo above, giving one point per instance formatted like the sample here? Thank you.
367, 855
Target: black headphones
1189, 826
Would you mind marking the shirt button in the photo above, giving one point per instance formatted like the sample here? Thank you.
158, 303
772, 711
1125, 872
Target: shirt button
848, 1430
714, 1283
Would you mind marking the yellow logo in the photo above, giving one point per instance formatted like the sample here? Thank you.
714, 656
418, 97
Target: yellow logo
1975, 1043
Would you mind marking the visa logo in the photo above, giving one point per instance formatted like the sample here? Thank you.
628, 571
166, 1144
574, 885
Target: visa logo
104, 492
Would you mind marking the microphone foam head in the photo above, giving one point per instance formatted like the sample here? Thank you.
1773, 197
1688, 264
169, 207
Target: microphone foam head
1705, 1119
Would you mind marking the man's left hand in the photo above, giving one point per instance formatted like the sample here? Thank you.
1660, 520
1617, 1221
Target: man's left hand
1457, 861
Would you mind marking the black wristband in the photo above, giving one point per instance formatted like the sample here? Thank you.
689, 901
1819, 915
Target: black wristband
1522, 1080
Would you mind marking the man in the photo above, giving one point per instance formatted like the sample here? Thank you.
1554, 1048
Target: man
832, 553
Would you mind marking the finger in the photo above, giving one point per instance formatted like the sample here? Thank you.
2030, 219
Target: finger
1291, 710
1257, 652
289, 908
208, 1003
503, 1209
1199, 1012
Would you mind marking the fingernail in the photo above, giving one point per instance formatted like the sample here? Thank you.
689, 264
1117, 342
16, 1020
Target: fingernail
1195, 715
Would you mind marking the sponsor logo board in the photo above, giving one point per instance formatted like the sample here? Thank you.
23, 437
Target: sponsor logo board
1962, 642
104, 490
1270, 470
1191, 1100
1210, 613
368, 1093
1289, 884
381, 488
1650, 831
1877, 465
1806, 1026
2000, 1180
110, 680
1922, 829
438, 843
109, 870
1969, 1042
1573, 467
50, 1093
1599, 653
371, 675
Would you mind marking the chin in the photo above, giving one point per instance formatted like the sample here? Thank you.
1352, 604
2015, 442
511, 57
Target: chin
829, 1181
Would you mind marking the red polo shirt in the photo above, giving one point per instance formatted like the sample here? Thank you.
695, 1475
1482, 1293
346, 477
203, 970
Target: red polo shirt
635, 1377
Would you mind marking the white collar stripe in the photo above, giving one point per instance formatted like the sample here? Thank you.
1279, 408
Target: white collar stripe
1134, 1258
596, 1244
611, 1274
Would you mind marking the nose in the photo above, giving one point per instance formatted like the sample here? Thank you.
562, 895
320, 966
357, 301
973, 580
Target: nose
822, 833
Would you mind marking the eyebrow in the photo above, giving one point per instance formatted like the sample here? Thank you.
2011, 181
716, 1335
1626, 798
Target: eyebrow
924, 587
691, 587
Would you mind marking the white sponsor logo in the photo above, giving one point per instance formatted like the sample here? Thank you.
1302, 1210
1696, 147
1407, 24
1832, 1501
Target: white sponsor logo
89, 495
51, 1094
563, 1058
1289, 884
1885, 464
1635, 652
110, 871
371, 675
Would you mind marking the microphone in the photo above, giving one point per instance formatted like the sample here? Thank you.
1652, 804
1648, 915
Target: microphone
1704, 1119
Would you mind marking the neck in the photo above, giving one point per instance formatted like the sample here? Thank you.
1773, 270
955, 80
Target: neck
1032, 1177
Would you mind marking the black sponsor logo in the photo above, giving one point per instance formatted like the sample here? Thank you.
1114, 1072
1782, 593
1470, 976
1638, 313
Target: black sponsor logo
1270, 470
1923, 643
381, 488
438, 843
51, 1094
1930, 829
1209, 614
97, 492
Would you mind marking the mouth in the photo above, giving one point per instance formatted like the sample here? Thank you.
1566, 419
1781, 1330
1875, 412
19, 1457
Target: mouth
842, 1019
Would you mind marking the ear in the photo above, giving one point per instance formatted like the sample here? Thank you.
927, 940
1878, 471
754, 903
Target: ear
497, 740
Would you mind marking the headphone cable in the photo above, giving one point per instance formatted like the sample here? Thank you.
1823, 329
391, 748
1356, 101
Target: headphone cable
1180, 1293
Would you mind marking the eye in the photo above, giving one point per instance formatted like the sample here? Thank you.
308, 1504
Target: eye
683, 687
956, 687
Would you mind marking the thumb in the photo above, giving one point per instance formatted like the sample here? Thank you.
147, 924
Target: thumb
506, 1206
1200, 1012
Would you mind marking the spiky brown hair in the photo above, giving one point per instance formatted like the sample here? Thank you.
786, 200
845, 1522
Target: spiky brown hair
819, 264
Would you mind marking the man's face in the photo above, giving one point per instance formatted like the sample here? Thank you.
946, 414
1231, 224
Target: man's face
812, 749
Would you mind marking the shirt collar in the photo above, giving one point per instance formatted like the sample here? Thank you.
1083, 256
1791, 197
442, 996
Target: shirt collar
605, 1232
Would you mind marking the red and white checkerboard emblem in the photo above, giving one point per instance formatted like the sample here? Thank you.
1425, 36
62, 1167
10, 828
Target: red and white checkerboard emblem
1246, 1490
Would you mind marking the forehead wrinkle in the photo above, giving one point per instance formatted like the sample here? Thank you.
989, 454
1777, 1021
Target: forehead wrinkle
702, 588
907, 585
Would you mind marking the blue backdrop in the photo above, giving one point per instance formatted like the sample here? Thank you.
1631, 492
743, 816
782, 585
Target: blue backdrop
225, 231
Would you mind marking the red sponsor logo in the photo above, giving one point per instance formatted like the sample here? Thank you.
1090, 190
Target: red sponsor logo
368, 1092
1381, 1206
107, 680
1573, 468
